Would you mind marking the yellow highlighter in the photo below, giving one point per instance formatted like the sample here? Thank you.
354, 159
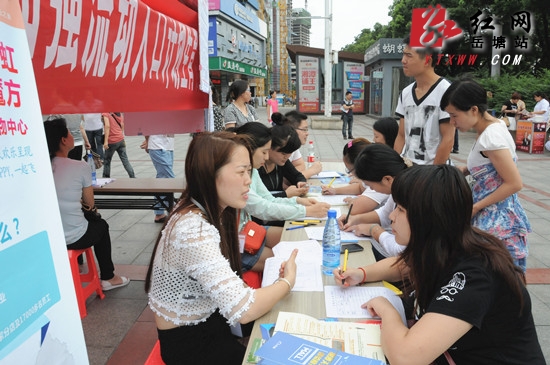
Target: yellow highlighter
392, 287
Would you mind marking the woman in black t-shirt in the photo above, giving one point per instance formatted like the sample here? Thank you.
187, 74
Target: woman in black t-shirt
470, 299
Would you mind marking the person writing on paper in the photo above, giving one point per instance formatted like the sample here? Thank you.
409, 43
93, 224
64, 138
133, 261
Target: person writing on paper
284, 141
367, 199
492, 164
377, 166
298, 121
471, 300
194, 279
73, 185
262, 206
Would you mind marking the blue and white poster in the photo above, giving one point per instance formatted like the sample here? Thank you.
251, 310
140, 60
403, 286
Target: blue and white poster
39, 318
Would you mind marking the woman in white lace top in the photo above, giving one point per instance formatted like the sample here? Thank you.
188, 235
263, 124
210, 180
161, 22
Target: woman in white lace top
194, 284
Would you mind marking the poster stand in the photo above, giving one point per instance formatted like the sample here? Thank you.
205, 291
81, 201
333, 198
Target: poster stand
530, 136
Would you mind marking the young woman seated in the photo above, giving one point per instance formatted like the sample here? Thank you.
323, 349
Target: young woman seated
470, 299
194, 279
298, 121
73, 185
363, 198
284, 141
263, 206
377, 166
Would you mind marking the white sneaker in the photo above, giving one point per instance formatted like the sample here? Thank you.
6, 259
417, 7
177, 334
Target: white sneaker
106, 286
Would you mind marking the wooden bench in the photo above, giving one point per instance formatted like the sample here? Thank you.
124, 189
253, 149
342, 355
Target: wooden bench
140, 193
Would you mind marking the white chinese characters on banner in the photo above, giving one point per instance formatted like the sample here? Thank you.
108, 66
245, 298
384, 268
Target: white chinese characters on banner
150, 58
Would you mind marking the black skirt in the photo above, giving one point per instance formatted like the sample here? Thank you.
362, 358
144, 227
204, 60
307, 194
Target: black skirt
209, 342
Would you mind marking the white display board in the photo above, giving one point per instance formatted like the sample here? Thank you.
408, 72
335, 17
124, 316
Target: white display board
39, 318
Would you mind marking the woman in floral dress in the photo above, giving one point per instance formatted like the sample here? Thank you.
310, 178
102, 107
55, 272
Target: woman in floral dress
492, 165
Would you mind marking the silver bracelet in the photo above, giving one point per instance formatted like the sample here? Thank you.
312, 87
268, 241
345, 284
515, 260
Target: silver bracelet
286, 281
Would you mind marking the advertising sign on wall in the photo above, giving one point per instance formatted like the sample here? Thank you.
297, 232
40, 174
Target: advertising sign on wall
308, 81
353, 81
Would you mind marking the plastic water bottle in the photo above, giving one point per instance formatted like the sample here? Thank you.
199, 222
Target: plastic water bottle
92, 167
310, 154
331, 244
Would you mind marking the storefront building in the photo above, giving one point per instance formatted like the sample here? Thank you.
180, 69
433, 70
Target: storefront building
384, 76
236, 45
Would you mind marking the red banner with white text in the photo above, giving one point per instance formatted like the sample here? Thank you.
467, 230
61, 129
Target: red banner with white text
115, 55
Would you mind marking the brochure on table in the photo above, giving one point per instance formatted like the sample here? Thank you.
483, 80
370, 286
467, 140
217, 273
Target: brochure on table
39, 318
357, 338
285, 349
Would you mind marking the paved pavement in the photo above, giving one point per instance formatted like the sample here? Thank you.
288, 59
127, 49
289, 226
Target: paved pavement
120, 329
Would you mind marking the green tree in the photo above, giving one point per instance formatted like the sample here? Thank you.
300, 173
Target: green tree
366, 38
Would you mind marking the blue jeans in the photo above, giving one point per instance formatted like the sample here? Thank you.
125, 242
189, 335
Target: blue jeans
347, 124
120, 148
163, 161
96, 141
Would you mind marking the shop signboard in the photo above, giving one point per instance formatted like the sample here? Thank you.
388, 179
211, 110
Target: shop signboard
308, 84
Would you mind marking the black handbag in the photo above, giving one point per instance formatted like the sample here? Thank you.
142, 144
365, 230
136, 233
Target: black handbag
90, 213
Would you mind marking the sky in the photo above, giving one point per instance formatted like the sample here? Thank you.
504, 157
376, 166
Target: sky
349, 18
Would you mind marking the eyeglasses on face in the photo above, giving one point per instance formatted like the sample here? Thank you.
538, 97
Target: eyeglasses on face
350, 171
302, 129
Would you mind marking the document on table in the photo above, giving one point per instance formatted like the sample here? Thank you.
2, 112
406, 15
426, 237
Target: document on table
361, 339
333, 199
308, 262
103, 181
316, 233
346, 302
324, 174
338, 213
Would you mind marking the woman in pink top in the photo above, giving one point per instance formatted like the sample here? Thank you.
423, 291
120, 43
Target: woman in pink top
114, 142
272, 105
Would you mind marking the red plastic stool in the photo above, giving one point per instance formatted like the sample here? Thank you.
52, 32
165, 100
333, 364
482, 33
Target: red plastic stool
253, 279
91, 278
154, 357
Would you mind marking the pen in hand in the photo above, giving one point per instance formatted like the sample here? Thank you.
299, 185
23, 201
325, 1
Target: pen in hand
345, 265
349, 213
331, 181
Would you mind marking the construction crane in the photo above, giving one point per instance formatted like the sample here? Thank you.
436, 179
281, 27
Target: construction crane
283, 53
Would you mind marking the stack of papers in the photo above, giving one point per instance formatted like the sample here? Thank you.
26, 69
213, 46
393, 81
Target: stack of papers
362, 339
308, 262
